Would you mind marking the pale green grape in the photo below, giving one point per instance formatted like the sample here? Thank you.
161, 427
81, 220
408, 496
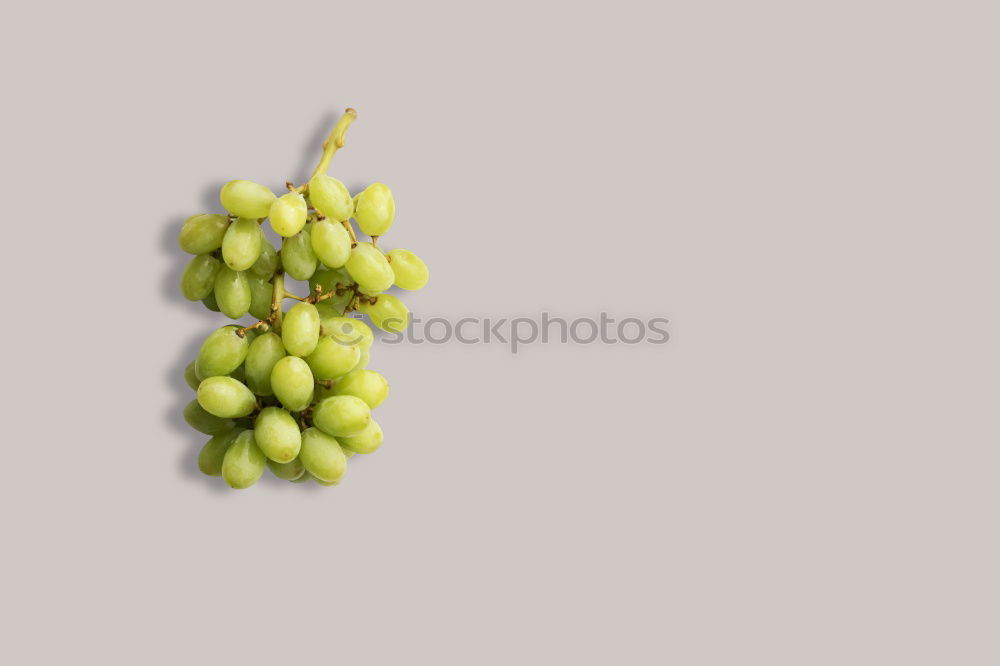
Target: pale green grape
300, 329
368, 385
292, 382
244, 462
202, 421
366, 441
242, 245
202, 234
330, 197
297, 256
409, 270
388, 313
244, 198
325, 483
363, 361
210, 302
331, 359
225, 397
191, 377
348, 331
375, 209
322, 456
368, 267
212, 454
264, 353
347, 452
277, 434
290, 471
330, 242
222, 352
260, 297
306, 476
232, 292
267, 262
342, 415
198, 278
288, 214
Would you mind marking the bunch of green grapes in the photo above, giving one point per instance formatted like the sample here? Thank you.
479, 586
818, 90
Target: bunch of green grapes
293, 391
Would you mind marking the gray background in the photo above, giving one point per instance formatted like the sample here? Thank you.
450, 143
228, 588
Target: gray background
805, 474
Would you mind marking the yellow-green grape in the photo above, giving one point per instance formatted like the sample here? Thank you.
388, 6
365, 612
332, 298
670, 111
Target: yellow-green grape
331, 359
329, 196
232, 292
277, 434
347, 452
202, 234
202, 421
305, 478
222, 352
267, 262
322, 456
297, 256
264, 353
368, 267
242, 245
348, 331
387, 312
244, 462
289, 471
260, 297
366, 441
410, 270
292, 382
239, 374
330, 242
191, 377
212, 454
300, 329
198, 278
342, 415
324, 483
288, 214
368, 385
244, 198
226, 398
363, 361
375, 209
210, 302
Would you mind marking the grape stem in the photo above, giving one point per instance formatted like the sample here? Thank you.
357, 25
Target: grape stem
350, 230
289, 294
277, 295
335, 141
242, 332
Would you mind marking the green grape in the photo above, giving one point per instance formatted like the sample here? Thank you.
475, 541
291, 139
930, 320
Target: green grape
367, 441
277, 434
347, 452
331, 359
244, 198
202, 234
191, 377
329, 196
264, 353
232, 292
239, 374
330, 242
242, 245
210, 302
267, 262
368, 267
409, 270
292, 382
327, 279
212, 454
300, 329
289, 471
342, 415
363, 361
348, 331
322, 456
244, 462
288, 214
202, 421
375, 209
225, 397
325, 483
305, 478
388, 313
260, 297
222, 352
198, 278
368, 385
297, 256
